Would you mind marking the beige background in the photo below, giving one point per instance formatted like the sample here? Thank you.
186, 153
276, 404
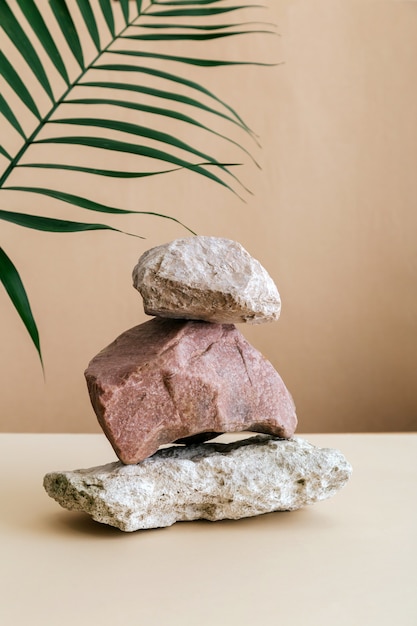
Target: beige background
332, 218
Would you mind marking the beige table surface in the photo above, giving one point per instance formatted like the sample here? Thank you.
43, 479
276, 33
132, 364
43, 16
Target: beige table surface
348, 561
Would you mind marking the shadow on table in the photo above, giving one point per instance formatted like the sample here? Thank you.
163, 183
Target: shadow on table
82, 524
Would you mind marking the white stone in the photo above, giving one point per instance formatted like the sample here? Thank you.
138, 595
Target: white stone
206, 278
210, 481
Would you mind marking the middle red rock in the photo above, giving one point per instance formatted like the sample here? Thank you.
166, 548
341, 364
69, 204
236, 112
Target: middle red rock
166, 380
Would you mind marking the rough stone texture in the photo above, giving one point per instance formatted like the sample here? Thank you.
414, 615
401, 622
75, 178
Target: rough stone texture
206, 278
208, 481
166, 380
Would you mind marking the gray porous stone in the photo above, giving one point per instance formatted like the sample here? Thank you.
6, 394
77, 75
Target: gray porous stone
206, 278
167, 379
211, 481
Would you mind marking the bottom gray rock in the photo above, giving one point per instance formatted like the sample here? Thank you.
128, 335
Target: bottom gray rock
211, 481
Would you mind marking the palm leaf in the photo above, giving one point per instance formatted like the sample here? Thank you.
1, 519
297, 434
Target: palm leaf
97, 171
65, 226
79, 23
125, 9
12, 77
175, 78
35, 19
160, 93
52, 225
160, 111
185, 2
85, 203
90, 21
130, 148
207, 27
67, 26
108, 15
200, 12
12, 282
10, 116
4, 152
15, 32
194, 36
189, 60
140, 131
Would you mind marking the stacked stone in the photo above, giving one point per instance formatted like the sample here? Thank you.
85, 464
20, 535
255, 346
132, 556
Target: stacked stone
189, 374
185, 377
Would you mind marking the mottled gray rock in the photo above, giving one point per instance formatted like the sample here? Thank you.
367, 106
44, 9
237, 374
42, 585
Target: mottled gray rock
171, 379
210, 481
206, 278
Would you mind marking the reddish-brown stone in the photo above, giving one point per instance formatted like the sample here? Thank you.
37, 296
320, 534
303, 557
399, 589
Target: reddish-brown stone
166, 380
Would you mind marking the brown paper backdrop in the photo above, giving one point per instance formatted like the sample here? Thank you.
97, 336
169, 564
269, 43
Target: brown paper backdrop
333, 218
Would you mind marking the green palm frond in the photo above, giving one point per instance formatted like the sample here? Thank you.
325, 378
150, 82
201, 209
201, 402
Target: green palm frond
12, 282
63, 60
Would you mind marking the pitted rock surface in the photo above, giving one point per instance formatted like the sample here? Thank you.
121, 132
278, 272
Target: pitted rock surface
166, 380
206, 278
210, 481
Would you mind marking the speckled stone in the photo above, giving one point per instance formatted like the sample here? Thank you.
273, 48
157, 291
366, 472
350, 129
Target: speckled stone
211, 481
206, 278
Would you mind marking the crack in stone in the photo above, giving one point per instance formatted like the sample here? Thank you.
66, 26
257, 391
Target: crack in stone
239, 349
201, 353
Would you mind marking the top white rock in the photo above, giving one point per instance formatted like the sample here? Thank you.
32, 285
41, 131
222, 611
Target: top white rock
206, 278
